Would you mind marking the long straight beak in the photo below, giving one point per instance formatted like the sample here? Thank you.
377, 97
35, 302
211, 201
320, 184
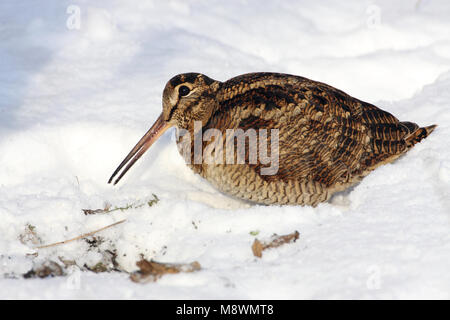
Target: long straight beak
158, 128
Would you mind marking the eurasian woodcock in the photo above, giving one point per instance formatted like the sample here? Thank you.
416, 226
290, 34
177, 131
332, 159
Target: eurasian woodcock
326, 140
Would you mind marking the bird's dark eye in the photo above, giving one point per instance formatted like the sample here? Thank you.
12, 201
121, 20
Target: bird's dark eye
184, 91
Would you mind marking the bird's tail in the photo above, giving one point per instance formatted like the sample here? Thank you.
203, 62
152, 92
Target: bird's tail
417, 134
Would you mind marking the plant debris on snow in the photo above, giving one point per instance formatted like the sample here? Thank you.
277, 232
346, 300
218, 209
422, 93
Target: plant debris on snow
275, 241
150, 271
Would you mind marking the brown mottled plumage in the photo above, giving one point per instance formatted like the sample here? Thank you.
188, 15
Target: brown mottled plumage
328, 140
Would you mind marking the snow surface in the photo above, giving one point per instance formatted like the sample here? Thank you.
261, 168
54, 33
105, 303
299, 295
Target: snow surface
74, 101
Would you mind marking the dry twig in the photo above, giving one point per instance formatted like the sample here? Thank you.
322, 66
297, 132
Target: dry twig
81, 236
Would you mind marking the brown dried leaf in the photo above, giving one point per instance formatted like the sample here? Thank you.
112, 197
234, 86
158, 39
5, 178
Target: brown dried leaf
258, 247
150, 271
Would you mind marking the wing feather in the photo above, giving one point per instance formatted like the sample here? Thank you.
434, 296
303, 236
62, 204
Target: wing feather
325, 135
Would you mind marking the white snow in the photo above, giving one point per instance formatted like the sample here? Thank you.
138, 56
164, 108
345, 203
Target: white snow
73, 102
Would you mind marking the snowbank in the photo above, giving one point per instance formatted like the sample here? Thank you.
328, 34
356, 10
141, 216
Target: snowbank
73, 101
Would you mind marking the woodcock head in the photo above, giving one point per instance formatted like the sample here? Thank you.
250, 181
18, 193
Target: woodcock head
186, 98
